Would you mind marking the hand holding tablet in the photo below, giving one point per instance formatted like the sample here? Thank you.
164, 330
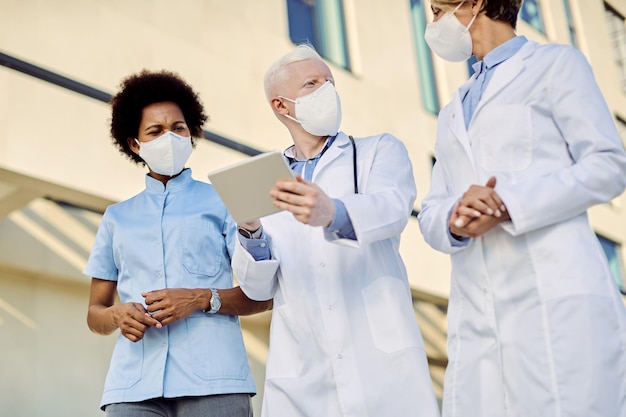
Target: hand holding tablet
245, 186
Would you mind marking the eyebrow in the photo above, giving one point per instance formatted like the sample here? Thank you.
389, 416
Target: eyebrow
160, 125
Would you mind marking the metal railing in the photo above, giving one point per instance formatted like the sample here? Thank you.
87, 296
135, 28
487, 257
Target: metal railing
89, 91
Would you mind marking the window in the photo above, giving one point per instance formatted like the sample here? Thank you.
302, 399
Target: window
617, 33
612, 252
426, 72
320, 23
570, 23
531, 14
621, 128
470, 62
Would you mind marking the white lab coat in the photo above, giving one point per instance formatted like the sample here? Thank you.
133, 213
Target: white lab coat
344, 340
536, 326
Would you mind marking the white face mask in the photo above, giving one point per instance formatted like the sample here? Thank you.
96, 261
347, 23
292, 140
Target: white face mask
319, 113
167, 154
449, 38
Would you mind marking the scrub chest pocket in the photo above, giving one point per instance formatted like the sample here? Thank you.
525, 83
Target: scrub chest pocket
203, 247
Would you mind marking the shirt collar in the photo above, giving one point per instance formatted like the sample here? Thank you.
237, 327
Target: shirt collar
174, 184
500, 54
290, 152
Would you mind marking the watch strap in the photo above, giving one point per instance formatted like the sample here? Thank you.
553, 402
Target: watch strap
215, 303
251, 235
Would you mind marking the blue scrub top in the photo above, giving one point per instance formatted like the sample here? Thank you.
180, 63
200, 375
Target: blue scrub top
179, 236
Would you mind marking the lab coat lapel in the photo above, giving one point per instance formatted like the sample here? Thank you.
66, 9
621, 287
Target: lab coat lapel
456, 121
504, 74
336, 149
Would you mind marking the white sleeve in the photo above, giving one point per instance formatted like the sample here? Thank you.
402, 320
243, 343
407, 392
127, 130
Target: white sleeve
598, 169
258, 279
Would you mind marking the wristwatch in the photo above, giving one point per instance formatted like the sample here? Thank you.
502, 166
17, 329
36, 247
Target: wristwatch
215, 303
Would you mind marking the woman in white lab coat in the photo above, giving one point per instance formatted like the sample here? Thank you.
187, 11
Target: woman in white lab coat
536, 326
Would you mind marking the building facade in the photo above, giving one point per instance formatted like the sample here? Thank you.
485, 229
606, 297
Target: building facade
61, 60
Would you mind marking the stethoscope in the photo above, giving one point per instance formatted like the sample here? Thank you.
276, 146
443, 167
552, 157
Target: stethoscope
354, 175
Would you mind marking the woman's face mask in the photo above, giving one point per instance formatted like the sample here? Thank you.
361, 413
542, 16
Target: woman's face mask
319, 113
449, 38
167, 154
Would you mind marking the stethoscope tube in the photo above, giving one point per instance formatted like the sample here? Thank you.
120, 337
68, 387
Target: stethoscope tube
356, 185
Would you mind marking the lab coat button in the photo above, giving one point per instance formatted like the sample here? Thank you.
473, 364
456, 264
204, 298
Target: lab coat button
339, 355
322, 264
330, 307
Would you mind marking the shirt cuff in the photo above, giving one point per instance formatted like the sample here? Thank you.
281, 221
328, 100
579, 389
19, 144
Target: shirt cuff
258, 248
458, 241
341, 225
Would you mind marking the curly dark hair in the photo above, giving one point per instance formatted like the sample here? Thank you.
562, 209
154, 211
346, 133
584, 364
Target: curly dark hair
144, 88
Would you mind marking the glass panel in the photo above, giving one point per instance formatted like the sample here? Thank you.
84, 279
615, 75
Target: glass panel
570, 23
531, 14
471, 62
331, 30
320, 23
612, 250
300, 15
621, 128
617, 33
426, 72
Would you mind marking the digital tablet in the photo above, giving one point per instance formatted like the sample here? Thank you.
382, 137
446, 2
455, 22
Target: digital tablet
245, 186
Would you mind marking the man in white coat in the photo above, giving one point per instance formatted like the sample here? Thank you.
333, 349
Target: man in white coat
344, 340
536, 325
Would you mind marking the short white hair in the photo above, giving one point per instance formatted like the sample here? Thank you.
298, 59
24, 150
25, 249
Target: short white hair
274, 72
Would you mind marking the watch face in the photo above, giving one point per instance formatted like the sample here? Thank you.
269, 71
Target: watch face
216, 303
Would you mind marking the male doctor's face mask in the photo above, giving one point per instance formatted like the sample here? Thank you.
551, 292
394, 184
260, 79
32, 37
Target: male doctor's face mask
167, 154
319, 113
449, 38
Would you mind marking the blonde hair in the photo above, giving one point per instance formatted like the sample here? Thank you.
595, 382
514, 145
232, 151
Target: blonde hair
274, 73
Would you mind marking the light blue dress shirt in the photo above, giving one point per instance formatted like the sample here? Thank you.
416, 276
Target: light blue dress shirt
484, 70
341, 222
179, 236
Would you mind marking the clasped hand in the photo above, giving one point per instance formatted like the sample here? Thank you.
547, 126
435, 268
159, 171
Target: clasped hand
163, 307
479, 210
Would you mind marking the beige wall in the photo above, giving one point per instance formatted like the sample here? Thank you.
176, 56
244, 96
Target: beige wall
52, 365
55, 143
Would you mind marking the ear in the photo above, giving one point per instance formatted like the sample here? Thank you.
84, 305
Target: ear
133, 145
477, 6
278, 105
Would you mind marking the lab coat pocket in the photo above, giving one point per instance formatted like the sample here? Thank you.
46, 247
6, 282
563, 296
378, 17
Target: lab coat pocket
390, 315
504, 138
285, 357
203, 247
